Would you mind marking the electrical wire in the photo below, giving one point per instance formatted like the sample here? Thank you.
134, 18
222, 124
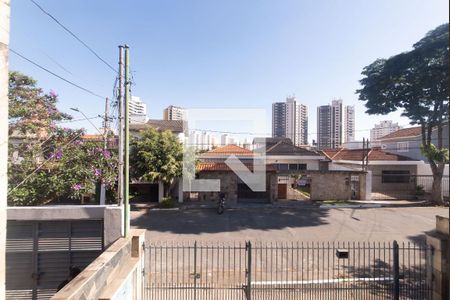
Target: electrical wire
77, 120
56, 75
41, 165
74, 35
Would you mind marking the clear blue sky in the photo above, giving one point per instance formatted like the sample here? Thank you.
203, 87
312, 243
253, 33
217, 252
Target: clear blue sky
200, 54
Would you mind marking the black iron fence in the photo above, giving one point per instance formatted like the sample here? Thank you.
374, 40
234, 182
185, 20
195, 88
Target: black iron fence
350, 270
403, 186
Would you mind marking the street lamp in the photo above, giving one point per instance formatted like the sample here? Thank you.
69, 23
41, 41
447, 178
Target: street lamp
87, 119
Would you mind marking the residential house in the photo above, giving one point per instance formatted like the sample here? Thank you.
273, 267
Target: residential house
175, 126
291, 162
212, 166
390, 172
407, 142
285, 156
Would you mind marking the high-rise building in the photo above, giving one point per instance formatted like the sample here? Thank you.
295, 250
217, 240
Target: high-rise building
324, 126
174, 113
335, 124
138, 110
383, 128
349, 124
137, 107
290, 120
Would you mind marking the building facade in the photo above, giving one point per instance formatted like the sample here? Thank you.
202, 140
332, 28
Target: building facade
408, 141
349, 124
383, 128
174, 113
290, 120
138, 110
335, 125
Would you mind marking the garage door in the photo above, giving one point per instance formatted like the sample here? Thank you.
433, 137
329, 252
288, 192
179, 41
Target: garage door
39, 255
245, 194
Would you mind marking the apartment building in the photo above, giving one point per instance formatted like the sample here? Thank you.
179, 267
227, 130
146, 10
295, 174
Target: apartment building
335, 124
290, 120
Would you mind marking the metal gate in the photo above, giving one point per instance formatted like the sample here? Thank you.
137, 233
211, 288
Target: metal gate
39, 255
287, 271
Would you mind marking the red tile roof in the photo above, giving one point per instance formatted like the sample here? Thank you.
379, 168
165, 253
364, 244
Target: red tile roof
216, 167
405, 132
375, 154
329, 153
92, 137
229, 150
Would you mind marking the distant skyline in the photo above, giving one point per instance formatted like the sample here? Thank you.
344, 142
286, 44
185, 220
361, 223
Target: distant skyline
214, 54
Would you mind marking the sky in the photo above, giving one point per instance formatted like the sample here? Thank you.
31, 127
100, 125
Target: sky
218, 54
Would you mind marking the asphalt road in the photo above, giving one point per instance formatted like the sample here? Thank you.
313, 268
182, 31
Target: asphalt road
300, 224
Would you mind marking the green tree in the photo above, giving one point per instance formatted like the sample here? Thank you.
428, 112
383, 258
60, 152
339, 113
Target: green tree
156, 156
416, 82
48, 162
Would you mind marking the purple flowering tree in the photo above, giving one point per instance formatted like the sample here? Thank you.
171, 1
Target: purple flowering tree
48, 162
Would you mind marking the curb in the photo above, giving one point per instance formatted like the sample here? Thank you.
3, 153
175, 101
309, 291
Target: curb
352, 206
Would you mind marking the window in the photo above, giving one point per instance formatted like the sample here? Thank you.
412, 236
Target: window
293, 167
395, 177
402, 147
283, 167
302, 167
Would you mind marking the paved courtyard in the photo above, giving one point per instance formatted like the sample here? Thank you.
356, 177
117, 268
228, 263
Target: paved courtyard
308, 223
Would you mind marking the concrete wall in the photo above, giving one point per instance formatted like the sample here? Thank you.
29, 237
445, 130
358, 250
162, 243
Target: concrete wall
4, 42
112, 216
425, 169
116, 274
331, 185
438, 240
379, 186
228, 185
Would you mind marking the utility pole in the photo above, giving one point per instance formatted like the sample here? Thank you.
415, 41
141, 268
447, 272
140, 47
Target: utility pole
105, 147
363, 155
127, 143
367, 156
120, 101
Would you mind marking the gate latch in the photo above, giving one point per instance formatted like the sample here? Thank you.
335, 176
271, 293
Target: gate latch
195, 275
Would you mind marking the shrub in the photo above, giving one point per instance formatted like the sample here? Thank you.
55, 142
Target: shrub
167, 202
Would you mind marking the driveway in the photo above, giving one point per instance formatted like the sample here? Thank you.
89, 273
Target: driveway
276, 224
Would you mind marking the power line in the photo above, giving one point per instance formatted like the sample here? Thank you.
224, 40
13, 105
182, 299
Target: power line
56, 75
42, 164
74, 35
77, 120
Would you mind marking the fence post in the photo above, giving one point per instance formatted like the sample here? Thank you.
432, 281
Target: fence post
429, 267
396, 271
248, 287
195, 270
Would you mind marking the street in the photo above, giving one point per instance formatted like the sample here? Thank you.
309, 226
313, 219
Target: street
285, 225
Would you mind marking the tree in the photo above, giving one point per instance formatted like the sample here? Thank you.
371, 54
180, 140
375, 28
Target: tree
156, 156
416, 82
48, 162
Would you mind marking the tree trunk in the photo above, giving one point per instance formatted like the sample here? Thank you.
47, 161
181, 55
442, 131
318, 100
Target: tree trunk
436, 190
166, 186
